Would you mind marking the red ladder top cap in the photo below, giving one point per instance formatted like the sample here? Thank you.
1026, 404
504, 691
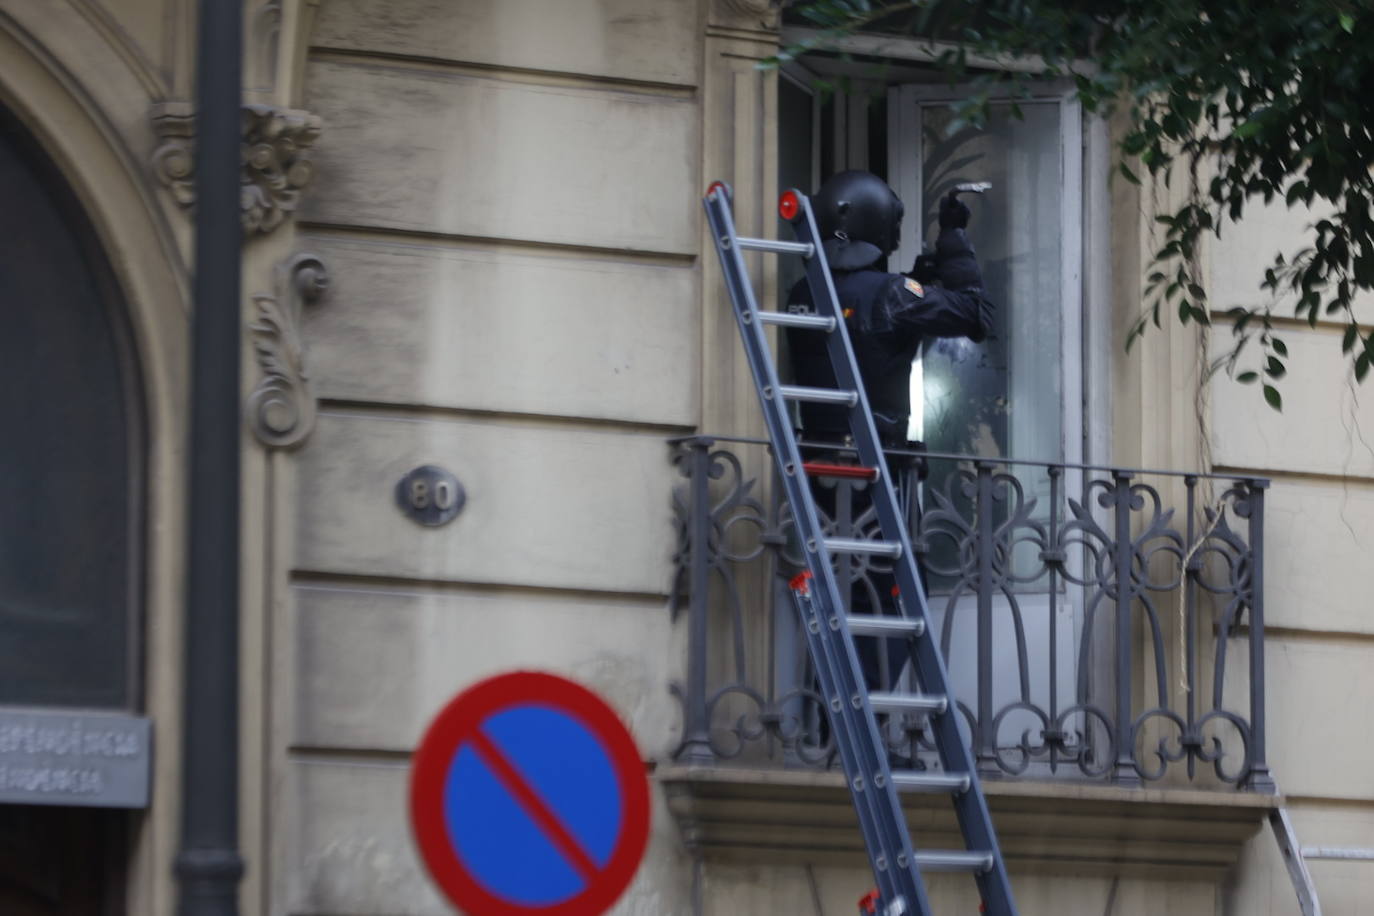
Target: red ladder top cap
789, 205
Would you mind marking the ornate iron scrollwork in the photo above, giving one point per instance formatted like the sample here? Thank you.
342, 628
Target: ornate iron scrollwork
1132, 565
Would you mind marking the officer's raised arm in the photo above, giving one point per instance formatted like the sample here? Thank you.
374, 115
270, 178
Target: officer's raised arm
958, 306
887, 315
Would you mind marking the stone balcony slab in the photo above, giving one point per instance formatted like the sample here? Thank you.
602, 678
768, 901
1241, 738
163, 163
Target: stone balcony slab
756, 815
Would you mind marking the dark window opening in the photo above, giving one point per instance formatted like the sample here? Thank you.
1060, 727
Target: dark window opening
71, 450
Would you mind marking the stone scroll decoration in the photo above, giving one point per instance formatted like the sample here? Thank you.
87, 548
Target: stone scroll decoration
277, 165
281, 409
174, 159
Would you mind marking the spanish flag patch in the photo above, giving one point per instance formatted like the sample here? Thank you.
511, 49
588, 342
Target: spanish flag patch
915, 288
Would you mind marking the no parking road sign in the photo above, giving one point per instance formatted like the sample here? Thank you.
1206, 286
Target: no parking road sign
528, 796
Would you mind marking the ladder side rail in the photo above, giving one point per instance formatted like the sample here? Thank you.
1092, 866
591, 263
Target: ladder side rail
884, 827
970, 807
1294, 859
895, 872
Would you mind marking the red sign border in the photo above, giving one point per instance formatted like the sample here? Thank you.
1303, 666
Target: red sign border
434, 758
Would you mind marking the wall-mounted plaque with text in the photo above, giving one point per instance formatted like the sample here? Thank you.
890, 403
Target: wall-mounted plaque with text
60, 757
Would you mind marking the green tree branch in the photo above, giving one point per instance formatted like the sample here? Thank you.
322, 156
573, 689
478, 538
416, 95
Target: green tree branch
1267, 101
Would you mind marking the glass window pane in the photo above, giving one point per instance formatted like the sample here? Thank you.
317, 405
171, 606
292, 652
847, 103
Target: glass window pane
1002, 397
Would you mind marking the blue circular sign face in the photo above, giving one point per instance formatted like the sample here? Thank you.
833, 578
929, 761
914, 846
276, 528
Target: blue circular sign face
563, 766
528, 796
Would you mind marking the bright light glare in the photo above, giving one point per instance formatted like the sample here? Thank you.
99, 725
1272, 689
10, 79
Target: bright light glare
916, 425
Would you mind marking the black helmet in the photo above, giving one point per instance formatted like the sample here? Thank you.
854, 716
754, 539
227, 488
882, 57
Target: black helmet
859, 218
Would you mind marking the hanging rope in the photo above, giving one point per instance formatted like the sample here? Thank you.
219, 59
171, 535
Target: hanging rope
1183, 590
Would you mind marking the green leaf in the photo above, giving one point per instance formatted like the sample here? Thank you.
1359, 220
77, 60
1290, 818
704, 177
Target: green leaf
1280, 347
1274, 369
1271, 395
1348, 23
1361, 366
1352, 331
1249, 129
1247, 377
1130, 176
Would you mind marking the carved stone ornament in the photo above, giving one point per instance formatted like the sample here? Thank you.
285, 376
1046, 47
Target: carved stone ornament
276, 163
174, 159
263, 44
276, 159
281, 409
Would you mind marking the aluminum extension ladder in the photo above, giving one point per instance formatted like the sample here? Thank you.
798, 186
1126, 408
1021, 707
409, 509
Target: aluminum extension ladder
828, 628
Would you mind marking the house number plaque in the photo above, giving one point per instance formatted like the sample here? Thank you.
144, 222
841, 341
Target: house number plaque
430, 496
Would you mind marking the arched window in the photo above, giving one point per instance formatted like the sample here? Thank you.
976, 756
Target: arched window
71, 450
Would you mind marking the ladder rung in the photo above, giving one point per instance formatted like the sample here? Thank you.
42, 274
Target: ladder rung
915, 781
873, 625
859, 545
1356, 853
819, 395
907, 702
952, 860
795, 320
802, 248
849, 471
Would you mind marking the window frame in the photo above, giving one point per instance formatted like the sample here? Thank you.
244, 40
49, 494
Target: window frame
905, 156
1096, 343
1087, 281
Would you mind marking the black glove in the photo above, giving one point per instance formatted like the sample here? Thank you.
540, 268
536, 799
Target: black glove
954, 213
958, 268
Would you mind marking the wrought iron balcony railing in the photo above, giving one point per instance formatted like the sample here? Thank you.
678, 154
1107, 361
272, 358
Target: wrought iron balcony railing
1090, 630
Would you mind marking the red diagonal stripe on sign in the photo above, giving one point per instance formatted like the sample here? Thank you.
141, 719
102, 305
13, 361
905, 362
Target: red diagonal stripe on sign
539, 811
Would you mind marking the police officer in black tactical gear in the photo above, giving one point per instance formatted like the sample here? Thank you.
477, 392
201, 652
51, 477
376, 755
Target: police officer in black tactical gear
887, 316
